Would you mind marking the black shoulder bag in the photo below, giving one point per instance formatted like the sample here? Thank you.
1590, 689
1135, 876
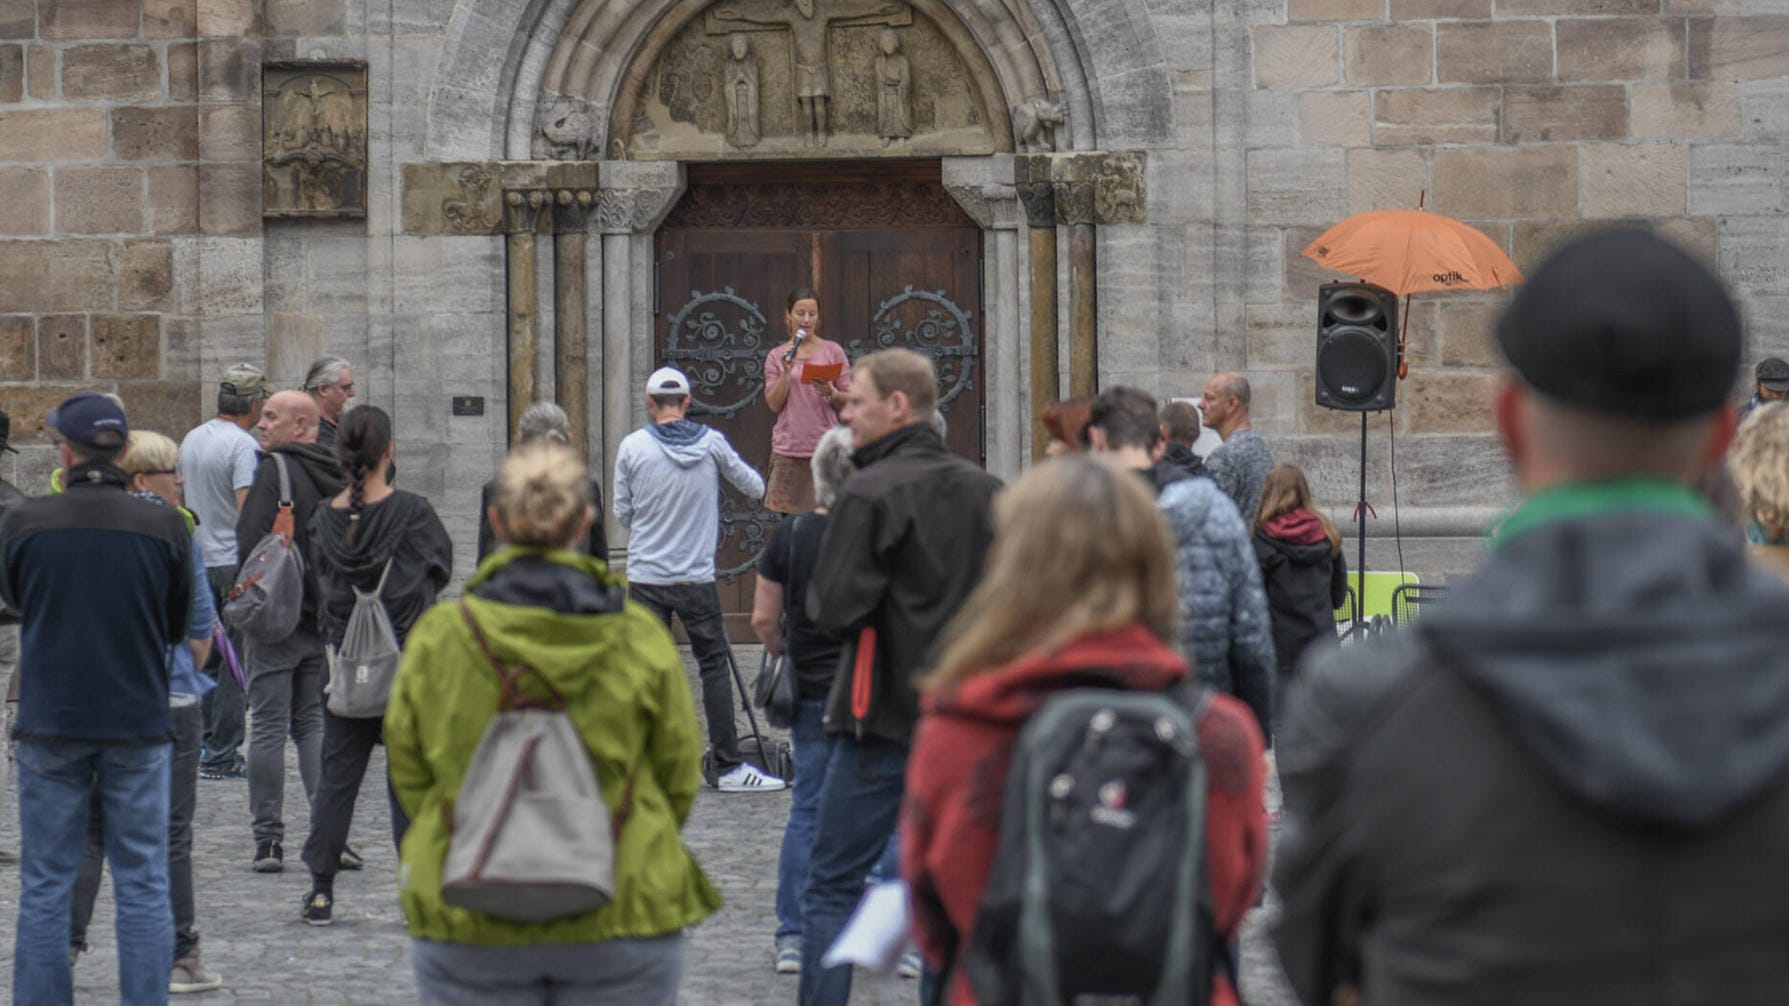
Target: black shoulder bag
774, 691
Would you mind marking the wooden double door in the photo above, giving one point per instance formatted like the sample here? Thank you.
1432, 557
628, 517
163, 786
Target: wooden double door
896, 264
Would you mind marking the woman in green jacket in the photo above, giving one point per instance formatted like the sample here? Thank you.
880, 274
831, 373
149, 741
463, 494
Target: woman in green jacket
568, 617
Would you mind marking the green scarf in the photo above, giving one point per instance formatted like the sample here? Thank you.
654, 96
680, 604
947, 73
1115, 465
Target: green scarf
1585, 499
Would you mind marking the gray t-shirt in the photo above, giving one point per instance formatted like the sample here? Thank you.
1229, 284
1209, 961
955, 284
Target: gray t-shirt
216, 459
1239, 467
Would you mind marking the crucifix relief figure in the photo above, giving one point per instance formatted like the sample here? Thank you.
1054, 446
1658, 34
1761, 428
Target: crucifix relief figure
808, 23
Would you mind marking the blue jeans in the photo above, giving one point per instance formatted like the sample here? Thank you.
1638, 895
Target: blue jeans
860, 802
54, 782
809, 738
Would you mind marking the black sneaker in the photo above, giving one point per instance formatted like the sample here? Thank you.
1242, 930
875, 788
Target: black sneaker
317, 908
269, 858
351, 860
227, 772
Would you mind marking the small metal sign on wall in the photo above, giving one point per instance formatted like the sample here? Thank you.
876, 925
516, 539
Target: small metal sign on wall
314, 138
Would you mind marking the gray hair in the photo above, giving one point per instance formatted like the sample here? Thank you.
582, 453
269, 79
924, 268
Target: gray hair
832, 464
324, 372
544, 421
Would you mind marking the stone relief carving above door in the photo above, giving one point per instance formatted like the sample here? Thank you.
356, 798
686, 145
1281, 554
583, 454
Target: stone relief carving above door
778, 79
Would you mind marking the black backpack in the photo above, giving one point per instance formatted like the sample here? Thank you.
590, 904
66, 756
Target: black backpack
1098, 888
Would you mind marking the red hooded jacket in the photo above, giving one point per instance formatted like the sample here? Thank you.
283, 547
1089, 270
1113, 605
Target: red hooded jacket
956, 783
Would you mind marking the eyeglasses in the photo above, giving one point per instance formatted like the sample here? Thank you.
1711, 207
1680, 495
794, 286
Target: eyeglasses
160, 471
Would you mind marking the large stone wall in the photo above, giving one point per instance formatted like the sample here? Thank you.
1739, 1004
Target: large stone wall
134, 256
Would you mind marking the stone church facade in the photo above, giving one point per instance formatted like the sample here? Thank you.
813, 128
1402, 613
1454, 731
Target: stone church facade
484, 203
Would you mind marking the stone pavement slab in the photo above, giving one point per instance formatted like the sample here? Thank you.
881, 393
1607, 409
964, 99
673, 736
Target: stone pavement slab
252, 935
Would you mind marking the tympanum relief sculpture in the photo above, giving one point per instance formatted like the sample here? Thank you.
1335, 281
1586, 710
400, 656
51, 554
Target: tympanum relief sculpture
803, 78
314, 139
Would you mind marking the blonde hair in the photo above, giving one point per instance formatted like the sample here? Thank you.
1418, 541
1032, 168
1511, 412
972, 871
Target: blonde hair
1079, 548
543, 493
1285, 490
1758, 461
149, 451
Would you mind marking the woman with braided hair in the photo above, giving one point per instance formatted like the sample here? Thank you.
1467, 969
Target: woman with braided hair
371, 537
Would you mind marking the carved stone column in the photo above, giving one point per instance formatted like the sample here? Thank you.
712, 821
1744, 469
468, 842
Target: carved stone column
981, 186
633, 199
1031, 180
1072, 176
570, 369
521, 212
1097, 187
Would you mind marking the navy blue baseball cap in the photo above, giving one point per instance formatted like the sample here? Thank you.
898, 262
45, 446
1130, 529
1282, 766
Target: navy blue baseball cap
91, 420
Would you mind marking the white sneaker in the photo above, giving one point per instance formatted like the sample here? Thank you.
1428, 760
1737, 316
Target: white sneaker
746, 778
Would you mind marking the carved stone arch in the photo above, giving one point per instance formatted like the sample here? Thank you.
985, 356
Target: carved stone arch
499, 56
608, 49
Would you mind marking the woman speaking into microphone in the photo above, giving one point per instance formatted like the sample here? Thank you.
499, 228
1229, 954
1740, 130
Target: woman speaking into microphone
805, 380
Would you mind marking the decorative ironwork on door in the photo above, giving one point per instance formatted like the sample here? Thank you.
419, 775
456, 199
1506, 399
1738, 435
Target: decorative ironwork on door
720, 349
937, 326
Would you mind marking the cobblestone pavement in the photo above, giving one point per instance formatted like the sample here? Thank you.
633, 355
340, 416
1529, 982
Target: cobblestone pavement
252, 935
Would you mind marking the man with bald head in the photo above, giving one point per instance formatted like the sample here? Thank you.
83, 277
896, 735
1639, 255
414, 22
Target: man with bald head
1241, 464
286, 676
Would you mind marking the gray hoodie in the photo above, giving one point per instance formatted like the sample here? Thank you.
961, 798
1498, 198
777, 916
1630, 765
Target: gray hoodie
668, 495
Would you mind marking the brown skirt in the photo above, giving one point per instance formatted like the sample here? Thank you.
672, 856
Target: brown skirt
791, 485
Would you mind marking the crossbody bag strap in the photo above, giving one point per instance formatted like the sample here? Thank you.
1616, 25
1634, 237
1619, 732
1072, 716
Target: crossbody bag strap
789, 573
279, 461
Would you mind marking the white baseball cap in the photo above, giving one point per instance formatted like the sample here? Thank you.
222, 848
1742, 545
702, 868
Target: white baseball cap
667, 381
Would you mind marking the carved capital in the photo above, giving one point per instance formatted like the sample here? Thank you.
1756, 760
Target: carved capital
1098, 187
1031, 184
571, 208
521, 210
636, 195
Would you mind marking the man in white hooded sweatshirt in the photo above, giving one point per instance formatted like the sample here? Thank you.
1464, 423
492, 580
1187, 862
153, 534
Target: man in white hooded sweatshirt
667, 494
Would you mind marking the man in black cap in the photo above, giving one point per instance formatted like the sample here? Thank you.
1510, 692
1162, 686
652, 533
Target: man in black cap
1773, 384
1570, 782
93, 700
10, 497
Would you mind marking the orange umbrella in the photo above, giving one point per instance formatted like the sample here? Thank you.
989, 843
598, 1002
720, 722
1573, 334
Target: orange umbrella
1413, 251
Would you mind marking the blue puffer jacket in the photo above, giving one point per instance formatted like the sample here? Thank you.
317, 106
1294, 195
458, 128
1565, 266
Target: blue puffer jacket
1224, 626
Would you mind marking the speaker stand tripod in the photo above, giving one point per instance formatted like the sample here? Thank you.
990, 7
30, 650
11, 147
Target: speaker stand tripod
1361, 509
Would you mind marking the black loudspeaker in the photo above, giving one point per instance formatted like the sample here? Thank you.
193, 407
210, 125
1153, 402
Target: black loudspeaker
1357, 347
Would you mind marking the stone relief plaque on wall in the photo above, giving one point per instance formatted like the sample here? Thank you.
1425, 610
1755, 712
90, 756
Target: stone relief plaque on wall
805, 78
314, 138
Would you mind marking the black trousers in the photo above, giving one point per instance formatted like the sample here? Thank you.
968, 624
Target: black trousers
347, 745
226, 706
699, 606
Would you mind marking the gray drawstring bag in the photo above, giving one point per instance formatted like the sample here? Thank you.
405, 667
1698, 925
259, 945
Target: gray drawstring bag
532, 838
360, 676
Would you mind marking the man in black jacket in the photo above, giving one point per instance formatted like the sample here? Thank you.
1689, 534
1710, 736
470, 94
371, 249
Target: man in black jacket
1570, 783
902, 550
102, 582
286, 677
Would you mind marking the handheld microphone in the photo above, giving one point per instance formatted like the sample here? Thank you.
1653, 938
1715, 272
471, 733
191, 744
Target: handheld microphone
800, 334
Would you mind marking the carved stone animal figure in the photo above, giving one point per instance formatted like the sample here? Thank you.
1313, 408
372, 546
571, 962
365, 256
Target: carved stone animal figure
1035, 121
569, 127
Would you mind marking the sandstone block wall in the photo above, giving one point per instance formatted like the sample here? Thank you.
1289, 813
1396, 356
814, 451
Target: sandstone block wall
134, 256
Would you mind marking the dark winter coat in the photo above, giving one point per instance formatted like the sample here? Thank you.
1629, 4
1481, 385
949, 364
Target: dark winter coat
1224, 626
1306, 580
1182, 455
903, 548
1569, 785
401, 527
315, 478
